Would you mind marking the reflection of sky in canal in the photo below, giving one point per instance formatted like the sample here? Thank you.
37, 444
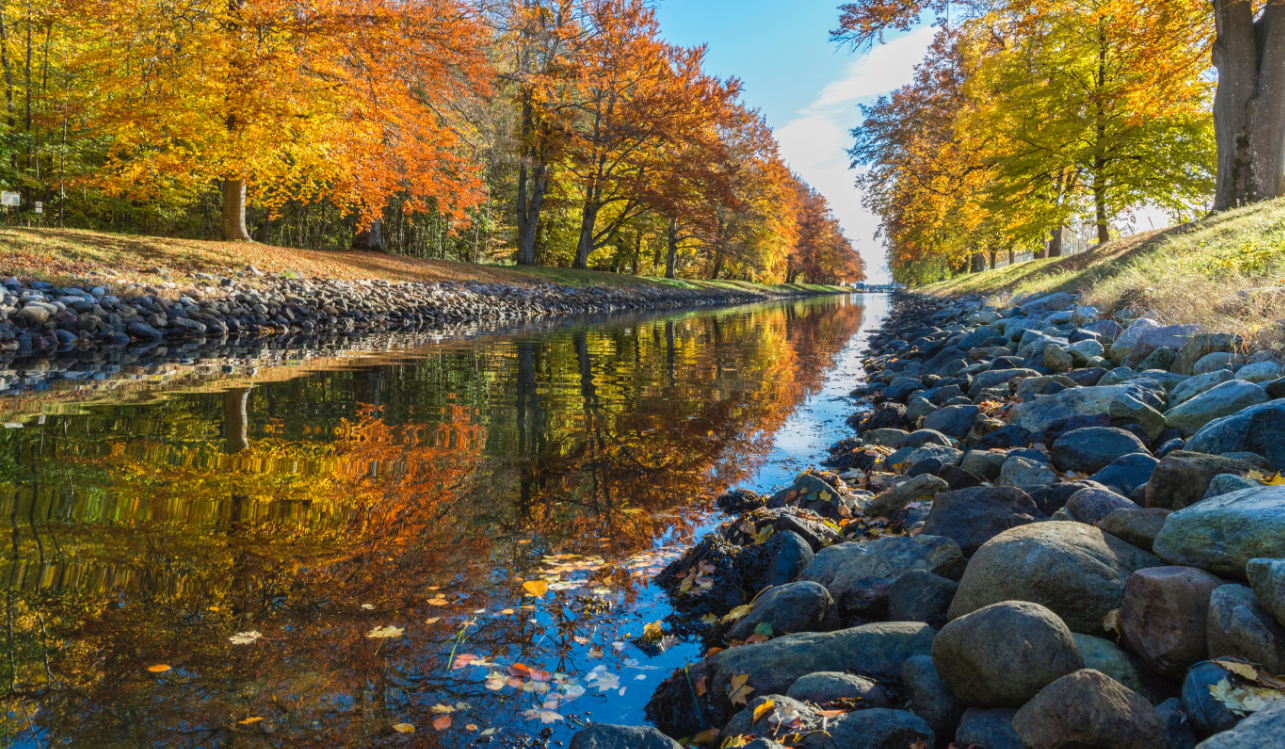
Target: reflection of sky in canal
417, 495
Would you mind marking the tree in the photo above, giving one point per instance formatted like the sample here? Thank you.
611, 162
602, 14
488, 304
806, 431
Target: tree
349, 100
637, 94
821, 253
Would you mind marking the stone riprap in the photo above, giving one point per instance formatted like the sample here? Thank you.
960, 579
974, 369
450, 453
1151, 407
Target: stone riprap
1049, 521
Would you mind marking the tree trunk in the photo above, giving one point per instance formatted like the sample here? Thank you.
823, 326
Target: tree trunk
588, 219
979, 263
533, 182
671, 245
1055, 242
1012, 256
236, 420
234, 211
370, 239
1249, 105
718, 267
993, 253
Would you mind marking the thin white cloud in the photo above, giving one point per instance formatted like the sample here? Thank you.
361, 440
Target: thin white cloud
815, 142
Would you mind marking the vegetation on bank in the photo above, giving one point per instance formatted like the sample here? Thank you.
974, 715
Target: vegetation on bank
546, 132
1225, 271
67, 255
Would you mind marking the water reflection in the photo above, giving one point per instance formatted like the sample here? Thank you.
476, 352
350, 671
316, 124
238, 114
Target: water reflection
319, 509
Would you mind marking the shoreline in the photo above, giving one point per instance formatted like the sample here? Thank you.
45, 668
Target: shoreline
1040, 473
39, 320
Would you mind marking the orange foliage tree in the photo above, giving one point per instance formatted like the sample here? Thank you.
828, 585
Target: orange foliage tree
348, 100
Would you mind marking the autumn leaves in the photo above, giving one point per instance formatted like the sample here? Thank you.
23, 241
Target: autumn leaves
1028, 118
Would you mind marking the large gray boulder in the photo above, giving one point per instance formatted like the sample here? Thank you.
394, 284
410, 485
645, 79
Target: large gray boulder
1222, 534
929, 697
1163, 617
920, 596
1136, 526
1219, 401
1074, 569
994, 377
920, 488
1127, 473
1267, 578
1194, 386
1126, 403
1089, 709
824, 687
953, 421
1022, 471
1125, 342
1261, 730
1091, 449
1258, 429
776, 664
1241, 628
1121, 665
974, 516
859, 574
604, 736
1201, 346
977, 658
1182, 477
1092, 506
1172, 337
991, 729
788, 609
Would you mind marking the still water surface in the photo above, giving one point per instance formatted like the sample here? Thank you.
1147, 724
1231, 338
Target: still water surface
312, 512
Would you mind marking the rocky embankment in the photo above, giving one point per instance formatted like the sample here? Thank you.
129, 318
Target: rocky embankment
1053, 530
36, 316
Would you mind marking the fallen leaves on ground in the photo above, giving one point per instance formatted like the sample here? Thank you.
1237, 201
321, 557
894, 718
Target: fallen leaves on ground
762, 710
739, 690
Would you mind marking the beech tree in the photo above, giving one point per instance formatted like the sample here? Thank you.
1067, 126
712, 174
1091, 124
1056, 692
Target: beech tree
349, 100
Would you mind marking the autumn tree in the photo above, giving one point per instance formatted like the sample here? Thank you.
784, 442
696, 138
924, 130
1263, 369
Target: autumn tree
821, 253
637, 94
349, 101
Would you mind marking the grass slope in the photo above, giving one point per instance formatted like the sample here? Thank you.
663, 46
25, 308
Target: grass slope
1193, 273
65, 255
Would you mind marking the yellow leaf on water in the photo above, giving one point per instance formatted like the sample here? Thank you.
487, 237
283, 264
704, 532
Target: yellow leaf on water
471, 727
433, 620
763, 709
442, 723
248, 721
739, 690
652, 630
159, 668
535, 588
442, 709
383, 633
403, 728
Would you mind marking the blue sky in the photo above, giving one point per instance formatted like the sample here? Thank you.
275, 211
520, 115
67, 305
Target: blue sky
807, 87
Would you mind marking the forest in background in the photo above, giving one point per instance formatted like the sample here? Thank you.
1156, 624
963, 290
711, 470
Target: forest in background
543, 132
1029, 117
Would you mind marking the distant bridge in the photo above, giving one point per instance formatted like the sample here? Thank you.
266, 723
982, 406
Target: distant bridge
867, 288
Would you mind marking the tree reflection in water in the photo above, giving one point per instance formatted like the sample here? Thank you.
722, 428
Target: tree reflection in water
419, 495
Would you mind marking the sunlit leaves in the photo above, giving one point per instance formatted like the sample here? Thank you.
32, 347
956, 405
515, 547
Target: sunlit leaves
408, 728
159, 668
739, 690
535, 588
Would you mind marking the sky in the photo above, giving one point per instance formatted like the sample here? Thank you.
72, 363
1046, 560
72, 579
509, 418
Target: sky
807, 87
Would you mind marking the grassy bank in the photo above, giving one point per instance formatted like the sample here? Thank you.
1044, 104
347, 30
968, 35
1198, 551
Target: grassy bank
66, 255
1193, 273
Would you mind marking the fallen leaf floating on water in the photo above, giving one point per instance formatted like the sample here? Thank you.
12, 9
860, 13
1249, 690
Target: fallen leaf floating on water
368, 607
408, 728
471, 727
652, 630
442, 709
437, 601
245, 638
739, 690
762, 710
535, 588
159, 668
248, 721
544, 716
383, 633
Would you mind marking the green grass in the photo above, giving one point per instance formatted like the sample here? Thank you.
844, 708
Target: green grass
1187, 274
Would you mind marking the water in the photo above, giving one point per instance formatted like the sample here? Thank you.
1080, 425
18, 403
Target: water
412, 494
